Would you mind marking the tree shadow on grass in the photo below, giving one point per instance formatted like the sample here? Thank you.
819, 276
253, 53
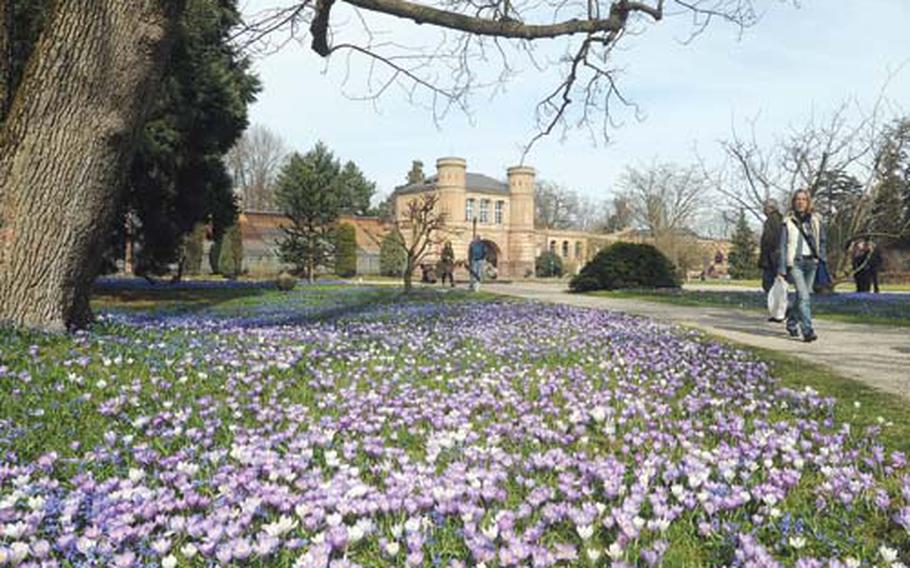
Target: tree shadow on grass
167, 298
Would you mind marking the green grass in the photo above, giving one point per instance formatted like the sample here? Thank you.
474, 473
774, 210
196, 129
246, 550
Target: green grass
168, 299
820, 310
755, 284
749, 283
876, 408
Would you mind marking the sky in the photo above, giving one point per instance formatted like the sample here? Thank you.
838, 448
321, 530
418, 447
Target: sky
795, 62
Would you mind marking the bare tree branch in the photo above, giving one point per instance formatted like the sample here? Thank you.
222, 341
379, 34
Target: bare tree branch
450, 73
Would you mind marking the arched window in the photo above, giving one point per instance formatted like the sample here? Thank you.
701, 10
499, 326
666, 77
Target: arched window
552, 246
565, 249
577, 249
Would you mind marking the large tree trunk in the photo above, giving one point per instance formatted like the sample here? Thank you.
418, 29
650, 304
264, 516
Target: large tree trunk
65, 148
6, 56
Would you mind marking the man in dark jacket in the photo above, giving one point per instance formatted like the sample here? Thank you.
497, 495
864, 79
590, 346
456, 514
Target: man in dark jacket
769, 252
874, 267
477, 254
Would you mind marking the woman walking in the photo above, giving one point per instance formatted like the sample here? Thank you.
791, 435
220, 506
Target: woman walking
802, 246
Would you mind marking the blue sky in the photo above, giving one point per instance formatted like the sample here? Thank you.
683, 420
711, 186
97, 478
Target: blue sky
794, 62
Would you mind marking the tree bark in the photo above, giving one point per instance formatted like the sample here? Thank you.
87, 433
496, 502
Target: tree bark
65, 148
408, 277
6, 56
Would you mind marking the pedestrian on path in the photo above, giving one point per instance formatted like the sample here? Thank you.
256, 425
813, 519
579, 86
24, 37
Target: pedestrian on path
769, 252
802, 246
874, 267
447, 264
477, 254
860, 264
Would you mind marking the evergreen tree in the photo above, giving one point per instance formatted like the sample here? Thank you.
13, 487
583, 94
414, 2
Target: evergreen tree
308, 194
230, 252
548, 265
743, 260
392, 254
385, 209
345, 250
839, 199
178, 177
890, 219
192, 249
356, 190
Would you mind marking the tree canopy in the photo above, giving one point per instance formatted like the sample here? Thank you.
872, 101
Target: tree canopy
179, 177
743, 260
309, 194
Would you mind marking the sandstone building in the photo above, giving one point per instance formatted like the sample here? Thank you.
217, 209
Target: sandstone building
500, 212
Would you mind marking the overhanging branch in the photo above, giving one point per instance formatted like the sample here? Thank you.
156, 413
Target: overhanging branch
500, 28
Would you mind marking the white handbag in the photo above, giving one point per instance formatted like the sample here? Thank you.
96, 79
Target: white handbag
777, 299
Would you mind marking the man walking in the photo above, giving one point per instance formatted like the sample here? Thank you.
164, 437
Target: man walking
769, 252
477, 254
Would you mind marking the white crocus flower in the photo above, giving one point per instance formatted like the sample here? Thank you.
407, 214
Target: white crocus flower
889, 555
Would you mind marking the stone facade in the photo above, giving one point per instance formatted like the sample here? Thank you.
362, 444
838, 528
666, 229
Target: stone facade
501, 213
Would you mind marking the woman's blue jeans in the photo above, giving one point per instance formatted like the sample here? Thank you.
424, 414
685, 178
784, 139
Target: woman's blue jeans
799, 310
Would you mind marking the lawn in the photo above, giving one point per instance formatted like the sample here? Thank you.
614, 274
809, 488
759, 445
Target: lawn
351, 426
883, 309
755, 284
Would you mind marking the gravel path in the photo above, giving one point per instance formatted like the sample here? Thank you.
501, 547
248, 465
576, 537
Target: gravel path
874, 354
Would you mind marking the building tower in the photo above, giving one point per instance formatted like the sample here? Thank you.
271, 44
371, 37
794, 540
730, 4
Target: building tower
522, 244
450, 173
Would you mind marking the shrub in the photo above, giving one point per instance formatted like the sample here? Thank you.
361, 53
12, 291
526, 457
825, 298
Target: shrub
626, 265
193, 245
345, 250
392, 254
285, 282
214, 253
548, 265
230, 252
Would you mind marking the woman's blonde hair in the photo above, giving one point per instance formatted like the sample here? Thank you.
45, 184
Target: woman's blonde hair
809, 208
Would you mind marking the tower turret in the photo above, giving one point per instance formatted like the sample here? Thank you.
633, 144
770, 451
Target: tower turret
521, 219
450, 180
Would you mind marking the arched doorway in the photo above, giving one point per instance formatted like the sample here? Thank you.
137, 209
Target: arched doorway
492, 250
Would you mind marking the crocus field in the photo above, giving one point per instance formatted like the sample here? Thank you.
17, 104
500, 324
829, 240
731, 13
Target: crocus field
344, 426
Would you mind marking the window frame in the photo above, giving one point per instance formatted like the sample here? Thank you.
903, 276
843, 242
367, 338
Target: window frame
484, 211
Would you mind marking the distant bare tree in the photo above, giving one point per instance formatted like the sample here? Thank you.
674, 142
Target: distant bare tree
254, 163
422, 224
592, 215
555, 206
664, 198
837, 159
